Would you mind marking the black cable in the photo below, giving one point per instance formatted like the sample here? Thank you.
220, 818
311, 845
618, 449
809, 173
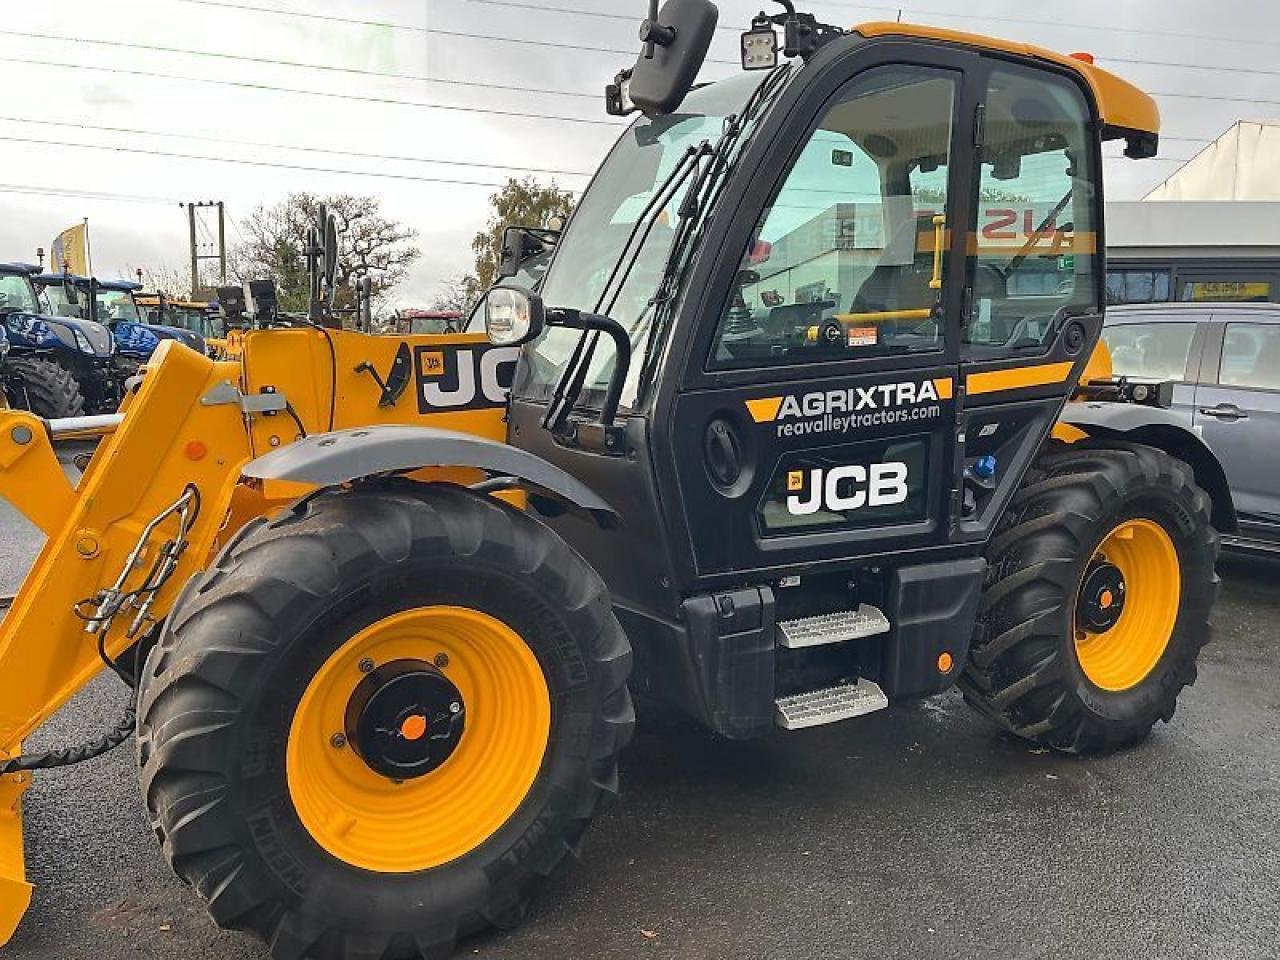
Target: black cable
68, 756
333, 369
288, 407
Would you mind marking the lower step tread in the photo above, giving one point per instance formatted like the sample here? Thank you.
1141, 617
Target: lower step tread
829, 705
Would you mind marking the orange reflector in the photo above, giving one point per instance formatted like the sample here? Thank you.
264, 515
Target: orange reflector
195, 450
1106, 599
1081, 55
414, 727
945, 662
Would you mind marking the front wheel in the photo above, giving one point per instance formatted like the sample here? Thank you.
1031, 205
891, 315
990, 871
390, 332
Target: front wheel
381, 719
1099, 586
44, 387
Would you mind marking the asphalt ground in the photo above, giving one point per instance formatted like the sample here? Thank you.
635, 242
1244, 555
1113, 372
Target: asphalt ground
914, 833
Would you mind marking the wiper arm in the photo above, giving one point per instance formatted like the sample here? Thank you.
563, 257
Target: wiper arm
711, 183
1027, 247
574, 377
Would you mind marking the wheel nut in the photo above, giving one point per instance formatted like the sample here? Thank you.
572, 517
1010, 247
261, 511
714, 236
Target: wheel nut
442, 660
366, 665
455, 707
338, 741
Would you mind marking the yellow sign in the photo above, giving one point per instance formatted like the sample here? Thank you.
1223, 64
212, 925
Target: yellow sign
70, 250
1230, 290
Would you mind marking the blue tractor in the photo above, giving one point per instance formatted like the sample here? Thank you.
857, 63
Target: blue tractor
59, 363
113, 304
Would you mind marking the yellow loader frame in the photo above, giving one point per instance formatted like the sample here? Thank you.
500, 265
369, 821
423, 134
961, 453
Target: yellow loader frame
163, 492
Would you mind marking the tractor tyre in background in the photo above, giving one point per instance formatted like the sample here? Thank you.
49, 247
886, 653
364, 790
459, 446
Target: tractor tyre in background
1096, 604
381, 719
43, 387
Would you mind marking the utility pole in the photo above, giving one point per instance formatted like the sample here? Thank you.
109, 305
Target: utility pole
193, 215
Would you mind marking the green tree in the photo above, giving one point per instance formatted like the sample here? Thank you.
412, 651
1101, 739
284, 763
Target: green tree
274, 243
524, 203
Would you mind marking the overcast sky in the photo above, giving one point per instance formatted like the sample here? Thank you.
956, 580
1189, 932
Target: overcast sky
1209, 64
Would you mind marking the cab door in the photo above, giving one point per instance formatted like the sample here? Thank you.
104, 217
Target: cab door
1034, 278
816, 421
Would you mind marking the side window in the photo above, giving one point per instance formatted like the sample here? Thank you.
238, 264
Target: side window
1034, 257
1150, 351
847, 259
1138, 286
1251, 356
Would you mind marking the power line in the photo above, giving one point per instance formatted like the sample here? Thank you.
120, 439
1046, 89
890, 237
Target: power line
134, 131
297, 65
39, 191
1108, 28
294, 64
362, 98
392, 25
239, 161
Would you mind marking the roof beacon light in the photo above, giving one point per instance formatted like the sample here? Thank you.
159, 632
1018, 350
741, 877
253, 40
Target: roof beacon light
1082, 56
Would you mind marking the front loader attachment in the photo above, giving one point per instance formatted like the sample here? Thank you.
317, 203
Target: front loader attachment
142, 519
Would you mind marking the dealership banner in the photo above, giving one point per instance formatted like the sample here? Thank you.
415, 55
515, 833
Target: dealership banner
70, 250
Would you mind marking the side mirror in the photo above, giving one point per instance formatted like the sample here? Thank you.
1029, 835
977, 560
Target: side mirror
675, 44
521, 243
513, 315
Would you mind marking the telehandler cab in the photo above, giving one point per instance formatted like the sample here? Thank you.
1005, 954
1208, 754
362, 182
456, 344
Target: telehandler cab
806, 343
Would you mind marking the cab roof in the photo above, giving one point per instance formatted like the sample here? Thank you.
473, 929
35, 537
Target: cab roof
27, 268
1125, 110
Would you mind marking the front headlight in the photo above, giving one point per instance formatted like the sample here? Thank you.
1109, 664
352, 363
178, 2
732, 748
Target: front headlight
4, 348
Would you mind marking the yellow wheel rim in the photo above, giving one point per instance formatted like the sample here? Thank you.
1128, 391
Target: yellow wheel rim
1123, 626
371, 821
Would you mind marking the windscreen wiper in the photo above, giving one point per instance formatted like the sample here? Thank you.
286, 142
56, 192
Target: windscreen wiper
1027, 247
573, 379
711, 183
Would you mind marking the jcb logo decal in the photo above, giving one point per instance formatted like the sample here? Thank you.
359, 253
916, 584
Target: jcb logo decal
468, 378
847, 488
430, 363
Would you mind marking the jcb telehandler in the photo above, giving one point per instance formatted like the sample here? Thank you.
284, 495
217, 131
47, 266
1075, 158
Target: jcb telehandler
786, 419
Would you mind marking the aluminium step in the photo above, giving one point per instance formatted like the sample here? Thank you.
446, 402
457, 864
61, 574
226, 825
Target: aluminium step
829, 705
865, 621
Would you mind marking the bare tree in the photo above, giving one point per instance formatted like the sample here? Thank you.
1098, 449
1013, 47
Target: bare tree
369, 244
173, 282
457, 293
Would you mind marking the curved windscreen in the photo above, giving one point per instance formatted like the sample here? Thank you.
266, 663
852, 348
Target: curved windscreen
607, 216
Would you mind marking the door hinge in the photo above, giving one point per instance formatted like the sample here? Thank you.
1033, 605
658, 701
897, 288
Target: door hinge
979, 123
966, 307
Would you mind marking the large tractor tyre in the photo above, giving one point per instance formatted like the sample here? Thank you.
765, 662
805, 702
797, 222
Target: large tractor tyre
45, 388
379, 721
1097, 598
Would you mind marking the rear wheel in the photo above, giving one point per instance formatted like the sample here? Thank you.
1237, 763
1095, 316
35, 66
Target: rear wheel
45, 388
381, 719
1099, 587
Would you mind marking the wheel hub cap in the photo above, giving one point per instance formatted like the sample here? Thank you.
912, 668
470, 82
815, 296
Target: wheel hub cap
405, 719
1101, 597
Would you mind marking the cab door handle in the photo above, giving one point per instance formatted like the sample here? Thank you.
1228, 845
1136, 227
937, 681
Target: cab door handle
1224, 411
723, 453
